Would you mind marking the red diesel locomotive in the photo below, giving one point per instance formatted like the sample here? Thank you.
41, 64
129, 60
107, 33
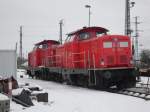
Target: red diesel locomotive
89, 57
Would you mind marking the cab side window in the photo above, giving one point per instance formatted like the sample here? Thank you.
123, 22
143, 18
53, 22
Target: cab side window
84, 36
107, 45
98, 34
70, 38
44, 46
124, 44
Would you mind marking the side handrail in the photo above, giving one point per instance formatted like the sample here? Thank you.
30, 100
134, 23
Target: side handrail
79, 60
52, 61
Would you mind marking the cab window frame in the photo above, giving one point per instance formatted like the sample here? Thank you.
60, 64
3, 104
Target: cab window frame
84, 36
70, 38
44, 46
123, 44
107, 44
99, 33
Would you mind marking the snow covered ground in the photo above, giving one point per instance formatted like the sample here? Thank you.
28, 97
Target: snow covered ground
21, 73
64, 98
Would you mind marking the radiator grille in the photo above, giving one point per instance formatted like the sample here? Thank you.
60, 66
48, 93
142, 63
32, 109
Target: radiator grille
110, 60
123, 59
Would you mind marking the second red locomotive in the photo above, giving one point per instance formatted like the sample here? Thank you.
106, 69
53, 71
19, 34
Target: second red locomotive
89, 57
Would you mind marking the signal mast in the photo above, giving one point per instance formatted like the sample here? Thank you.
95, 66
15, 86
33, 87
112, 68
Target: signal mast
129, 5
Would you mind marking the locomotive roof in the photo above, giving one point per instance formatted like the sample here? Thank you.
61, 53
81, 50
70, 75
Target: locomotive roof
87, 29
47, 41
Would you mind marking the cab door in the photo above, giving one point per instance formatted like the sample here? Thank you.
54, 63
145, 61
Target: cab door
68, 55
70, 47
84, 43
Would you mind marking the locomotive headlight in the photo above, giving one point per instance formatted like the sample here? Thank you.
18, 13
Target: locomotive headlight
102, 62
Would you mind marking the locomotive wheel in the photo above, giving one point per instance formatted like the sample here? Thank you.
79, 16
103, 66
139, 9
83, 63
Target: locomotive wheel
99, 82
125, 84
106, 83
67, 79
103, 80
86, 82
60, 79
121, 85
74, 79
68, 82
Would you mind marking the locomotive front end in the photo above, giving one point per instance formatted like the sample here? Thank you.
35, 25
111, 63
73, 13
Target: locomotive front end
115, 62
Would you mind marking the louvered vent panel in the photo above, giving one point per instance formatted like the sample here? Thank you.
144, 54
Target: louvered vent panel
123, 59
110, 60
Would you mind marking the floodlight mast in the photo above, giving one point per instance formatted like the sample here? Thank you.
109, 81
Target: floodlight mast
129, 5
89, 7
60, 32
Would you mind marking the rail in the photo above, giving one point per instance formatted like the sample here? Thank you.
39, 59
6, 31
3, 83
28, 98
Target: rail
141, 90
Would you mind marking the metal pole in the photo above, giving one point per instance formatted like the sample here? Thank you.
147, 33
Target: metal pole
127, 18
16, 47
129, 5
89, 7
136, 37
21, 44
60, 37
89, 16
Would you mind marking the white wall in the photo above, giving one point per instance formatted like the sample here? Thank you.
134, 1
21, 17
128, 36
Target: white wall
8, 63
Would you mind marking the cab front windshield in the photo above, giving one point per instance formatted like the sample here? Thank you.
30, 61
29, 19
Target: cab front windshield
100, 33
70, 38
42, 46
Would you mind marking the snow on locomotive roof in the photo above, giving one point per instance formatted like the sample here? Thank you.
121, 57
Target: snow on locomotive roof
89, 28
47, 41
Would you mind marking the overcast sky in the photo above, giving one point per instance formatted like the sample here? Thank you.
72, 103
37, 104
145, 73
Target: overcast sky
40, 19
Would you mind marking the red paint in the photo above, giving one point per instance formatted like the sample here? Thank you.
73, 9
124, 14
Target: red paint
87, 53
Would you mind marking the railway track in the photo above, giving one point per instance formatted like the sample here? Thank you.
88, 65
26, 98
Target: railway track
140, 91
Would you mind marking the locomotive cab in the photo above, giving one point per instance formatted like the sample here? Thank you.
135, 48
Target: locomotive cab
85, 34
78, 46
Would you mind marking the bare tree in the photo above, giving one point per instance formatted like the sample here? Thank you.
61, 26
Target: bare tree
145, 58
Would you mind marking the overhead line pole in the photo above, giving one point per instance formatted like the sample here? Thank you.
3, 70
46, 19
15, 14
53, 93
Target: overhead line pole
128, 6
20, 53
60, 33
89, 21
136, 37
127, 18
